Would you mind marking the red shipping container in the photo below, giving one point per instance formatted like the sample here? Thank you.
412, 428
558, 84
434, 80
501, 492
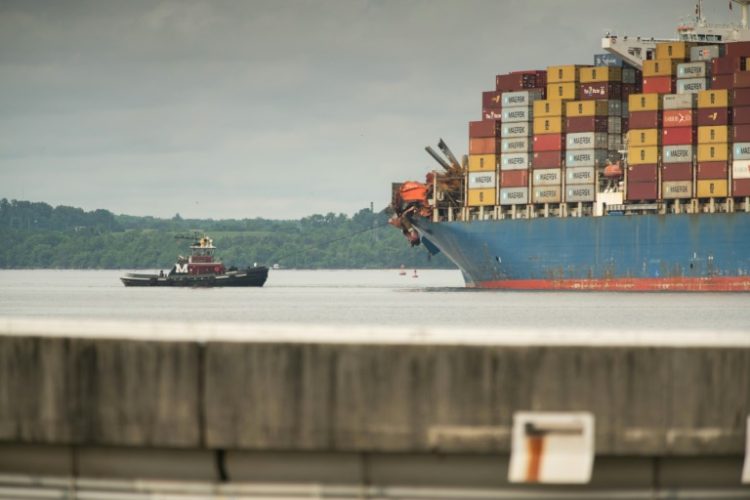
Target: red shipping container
492, 100
521, 80
671, 172
712, 116
601, 90
642, 173
659, 85
645, 119
741, 133
712, 170
678, 118
578, 124
642, 191
741, 187
549, 142
737, 49
741, 79
726, 65
722, 82
484, 146
547, 159
741, 115
485, 128
740, 97
492, 114
678, 135
514, 178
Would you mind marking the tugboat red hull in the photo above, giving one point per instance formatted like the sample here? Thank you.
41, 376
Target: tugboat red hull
253, 276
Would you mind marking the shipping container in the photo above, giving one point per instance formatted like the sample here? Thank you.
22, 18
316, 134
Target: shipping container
721, 82
563, 74
699, 69
741, 169
672, 172
566, 91
673, 50
713, 116
599, 74
642, 191
481, 197
483, 146
659, 67
586, 108
549, 142
547, 177
515, 145
492, 100
586, 158
547, 159
614, 125
715, 188
548, 108
678, 118
679, 101
737, 49
643, 173
659, 85
712, 170
741, 115
630, 75
614, 142
514, 178
514, 196
492, 114
741, 151
713, 135
482, 163
587, 124
550, 125
740, 133
484, 128
516, 161
726, 65
713, 99
580, 175
518, 129
628, 90
677, 154
692, 85
741, 187
644, 137
607, 59
678, 136
580, 192
521, 98
546, 194
645, 119
644, 102
706, 52
713, 152
482, 180
517, 114
588, 91
672, 190
586, 140
643, 155
741, 80
521, 80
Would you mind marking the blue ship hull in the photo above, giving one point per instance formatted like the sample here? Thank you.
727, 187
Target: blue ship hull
696, 252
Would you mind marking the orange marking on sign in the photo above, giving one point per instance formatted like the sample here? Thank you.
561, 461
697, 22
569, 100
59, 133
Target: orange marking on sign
535, 445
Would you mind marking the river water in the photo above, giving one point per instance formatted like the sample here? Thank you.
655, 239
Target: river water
379, 297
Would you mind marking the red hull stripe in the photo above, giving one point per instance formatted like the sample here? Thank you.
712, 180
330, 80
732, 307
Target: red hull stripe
712, 284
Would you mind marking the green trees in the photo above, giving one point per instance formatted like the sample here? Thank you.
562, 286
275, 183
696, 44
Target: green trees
37, 235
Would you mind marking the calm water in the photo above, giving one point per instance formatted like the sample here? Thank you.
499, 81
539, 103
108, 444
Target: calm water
363, 297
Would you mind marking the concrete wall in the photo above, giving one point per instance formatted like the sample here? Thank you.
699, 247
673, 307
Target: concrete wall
366, 398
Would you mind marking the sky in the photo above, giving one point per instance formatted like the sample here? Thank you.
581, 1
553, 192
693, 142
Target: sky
270, 108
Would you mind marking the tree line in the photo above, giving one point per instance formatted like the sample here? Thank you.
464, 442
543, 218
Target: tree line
37, 235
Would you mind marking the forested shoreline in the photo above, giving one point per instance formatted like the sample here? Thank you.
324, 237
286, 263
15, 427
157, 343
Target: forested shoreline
37, 235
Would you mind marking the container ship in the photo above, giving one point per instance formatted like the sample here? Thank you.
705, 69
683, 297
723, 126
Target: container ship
628, 174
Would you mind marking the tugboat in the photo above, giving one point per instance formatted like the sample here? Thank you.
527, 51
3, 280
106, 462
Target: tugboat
200, 270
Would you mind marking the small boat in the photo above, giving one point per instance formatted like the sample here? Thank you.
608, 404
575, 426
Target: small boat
200, 270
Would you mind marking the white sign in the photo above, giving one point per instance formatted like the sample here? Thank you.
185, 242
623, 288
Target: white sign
746, 467
552, 447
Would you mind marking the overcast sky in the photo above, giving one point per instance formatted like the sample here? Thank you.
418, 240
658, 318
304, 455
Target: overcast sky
277, 109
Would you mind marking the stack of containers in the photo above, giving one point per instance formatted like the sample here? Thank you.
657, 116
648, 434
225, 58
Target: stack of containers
644, 140
659, 73
713, 144
678, 137
516, 145
693, 76
484, 145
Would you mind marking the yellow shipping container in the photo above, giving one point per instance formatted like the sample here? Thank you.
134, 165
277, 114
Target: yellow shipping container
562, 91
659, 67
644, 102
713, 152
638, 138
586, 108
562, 74
549, 125
600, 74
673, 50
643, 155
482, 163
481, 197
713, 135
713, 98
713, 188
547, 107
